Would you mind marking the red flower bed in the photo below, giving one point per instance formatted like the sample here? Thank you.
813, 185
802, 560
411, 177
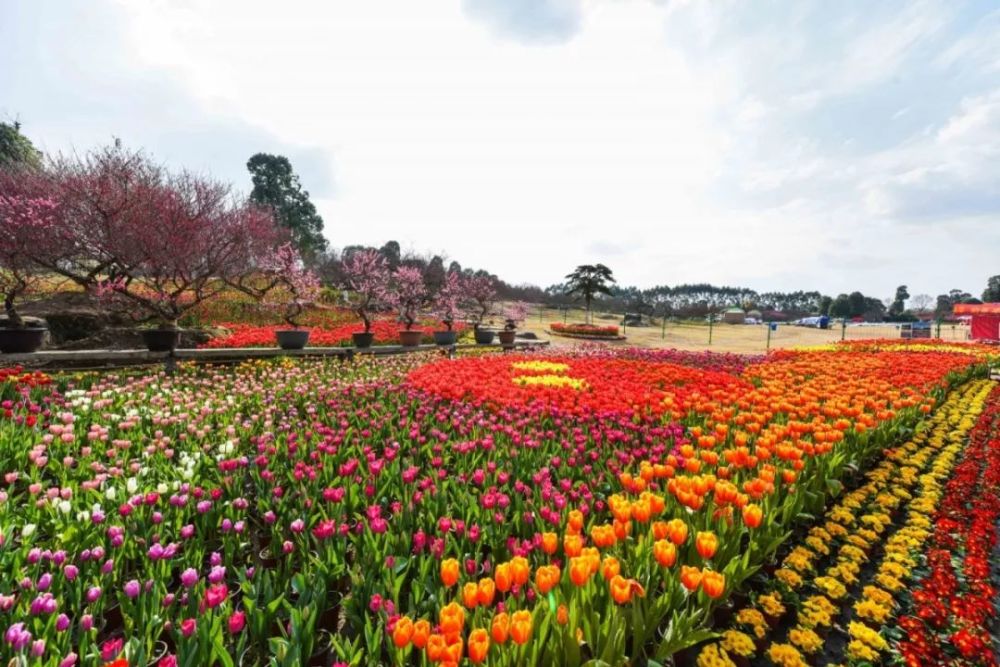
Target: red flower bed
953, 606
249, 335
585, 385
605, 331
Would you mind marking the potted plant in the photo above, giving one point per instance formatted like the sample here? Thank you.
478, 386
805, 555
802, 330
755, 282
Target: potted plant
408, 294
366, 277
301, 288
513, 314
481, 297
21, 218
445, 306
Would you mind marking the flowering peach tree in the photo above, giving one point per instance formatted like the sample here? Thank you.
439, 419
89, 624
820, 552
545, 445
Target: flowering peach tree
407, 293
446, 303
23, 220
366, 276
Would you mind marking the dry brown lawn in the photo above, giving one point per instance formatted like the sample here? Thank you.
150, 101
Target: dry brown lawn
725, 337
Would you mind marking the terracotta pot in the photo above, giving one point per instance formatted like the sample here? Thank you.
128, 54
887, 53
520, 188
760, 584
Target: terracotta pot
27, 339
507, 337
445, 337
363, 339
161, 340
292, 339
410, 338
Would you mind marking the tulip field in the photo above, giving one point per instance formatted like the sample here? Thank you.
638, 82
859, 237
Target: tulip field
595, 507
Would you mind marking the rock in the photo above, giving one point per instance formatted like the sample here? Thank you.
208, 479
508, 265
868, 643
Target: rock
527, 335
131, 339
73, 316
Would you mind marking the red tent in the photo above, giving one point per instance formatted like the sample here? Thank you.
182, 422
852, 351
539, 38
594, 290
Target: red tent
985, 319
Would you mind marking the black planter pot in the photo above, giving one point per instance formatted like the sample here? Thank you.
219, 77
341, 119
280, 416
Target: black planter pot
507, 337
28, 339
292, 339
363, 339
484, 336
161, 340
445, 337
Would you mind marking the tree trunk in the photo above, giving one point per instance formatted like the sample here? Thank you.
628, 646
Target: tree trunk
13, 318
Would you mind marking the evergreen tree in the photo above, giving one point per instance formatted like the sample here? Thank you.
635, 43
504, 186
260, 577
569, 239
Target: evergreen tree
276, 185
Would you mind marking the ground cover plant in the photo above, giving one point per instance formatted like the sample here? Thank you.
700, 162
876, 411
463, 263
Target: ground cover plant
591, 507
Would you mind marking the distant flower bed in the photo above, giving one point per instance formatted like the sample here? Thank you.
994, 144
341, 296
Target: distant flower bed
386, 333
607, 331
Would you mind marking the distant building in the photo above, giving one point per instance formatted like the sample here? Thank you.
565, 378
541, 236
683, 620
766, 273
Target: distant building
734, 316
985, 320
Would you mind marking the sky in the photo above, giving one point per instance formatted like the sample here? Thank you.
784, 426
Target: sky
835, 146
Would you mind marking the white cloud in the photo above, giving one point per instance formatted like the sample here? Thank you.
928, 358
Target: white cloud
678, 141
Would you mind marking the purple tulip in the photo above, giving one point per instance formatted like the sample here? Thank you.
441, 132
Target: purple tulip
70, 572
132, 589
189, 577
93, 594
62, 622
69, 660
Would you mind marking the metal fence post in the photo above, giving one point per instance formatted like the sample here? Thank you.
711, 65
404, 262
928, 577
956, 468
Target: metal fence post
768, 325
711, 320
663, 328
843, 329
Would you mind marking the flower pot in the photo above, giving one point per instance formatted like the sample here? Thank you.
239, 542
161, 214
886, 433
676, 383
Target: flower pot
445, 337
363, 339
410, 338
27, 339
161, 340
292, 339
484, 336
507, 337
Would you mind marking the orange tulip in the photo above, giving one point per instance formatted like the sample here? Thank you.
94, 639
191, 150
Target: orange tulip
403, 632
436, 645
621, 589
575, 522
562, 615
572, 545
706, 544
690, 577
622, 529
752, 515
550, 542
485, 592
665, 553
500, 627
610, 567
713, 583
678, 531
451, 618
520, 626
504, 577
449, 572
579, 570
660, 530
479, 646
421, 631
547, 577
520, 569
470, 595
453, 651
593, 557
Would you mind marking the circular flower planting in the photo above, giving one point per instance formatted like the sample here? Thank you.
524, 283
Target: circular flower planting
608, 332
579, 385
